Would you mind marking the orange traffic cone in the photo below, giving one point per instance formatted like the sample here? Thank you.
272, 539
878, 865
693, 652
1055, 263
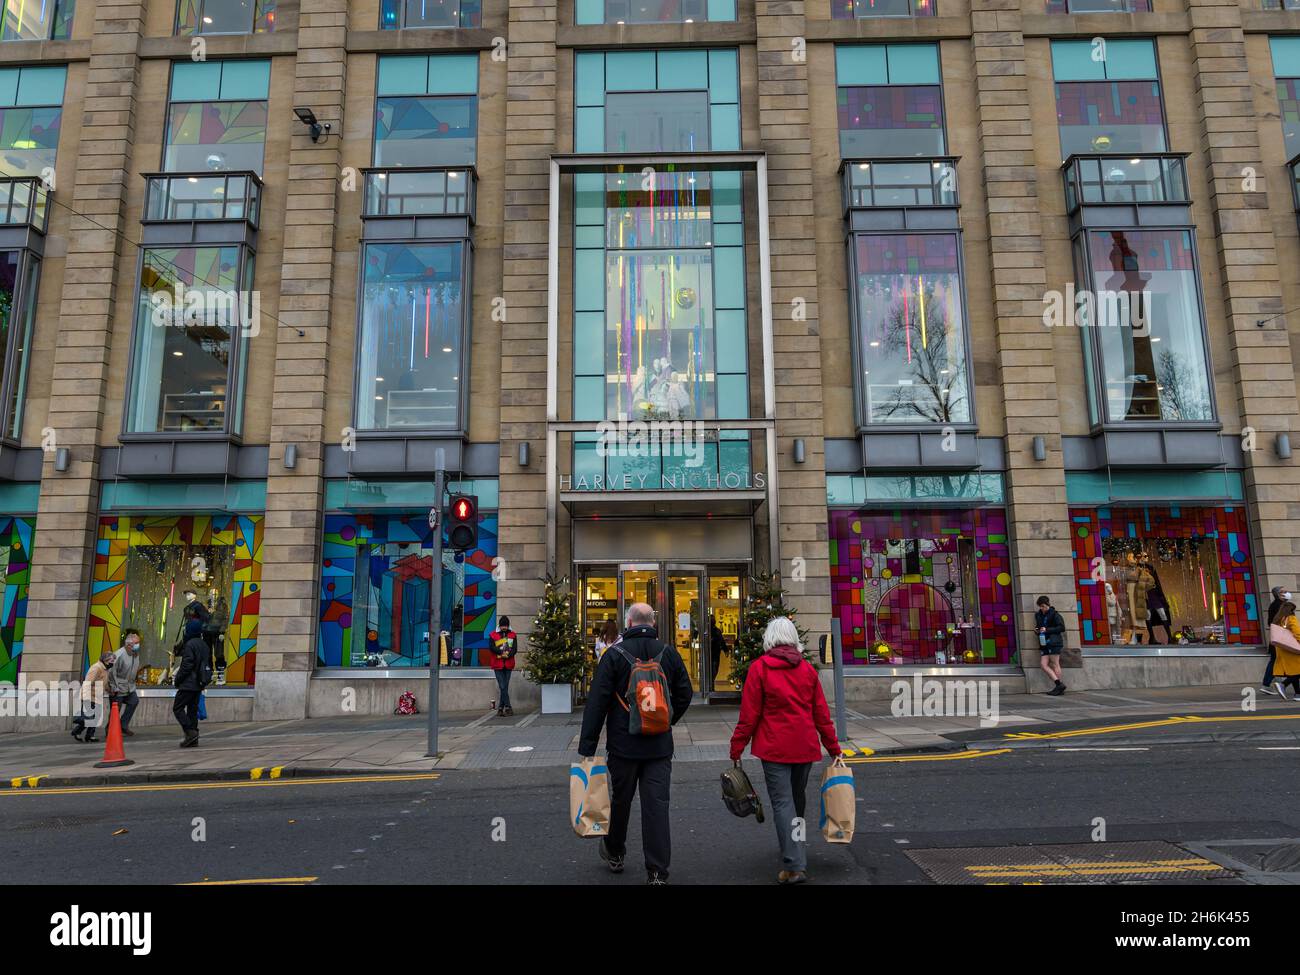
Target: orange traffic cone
114, 753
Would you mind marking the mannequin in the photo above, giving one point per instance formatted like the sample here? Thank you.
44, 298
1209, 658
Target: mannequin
1113, 616
1158, 613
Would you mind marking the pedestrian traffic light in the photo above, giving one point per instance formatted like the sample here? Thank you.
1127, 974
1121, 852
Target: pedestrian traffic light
462, 522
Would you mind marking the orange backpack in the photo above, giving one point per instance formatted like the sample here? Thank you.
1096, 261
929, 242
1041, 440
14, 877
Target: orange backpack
647, 686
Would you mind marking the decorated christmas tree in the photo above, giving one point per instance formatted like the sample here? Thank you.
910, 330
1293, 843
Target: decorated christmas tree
555, 654
766, 601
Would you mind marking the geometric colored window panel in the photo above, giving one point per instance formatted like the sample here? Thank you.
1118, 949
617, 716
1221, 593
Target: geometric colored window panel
144, 565
374, 594
15, 575
1164, 575
922, 586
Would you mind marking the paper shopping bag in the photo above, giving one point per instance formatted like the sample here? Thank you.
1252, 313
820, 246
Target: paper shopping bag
589, 797
839, 802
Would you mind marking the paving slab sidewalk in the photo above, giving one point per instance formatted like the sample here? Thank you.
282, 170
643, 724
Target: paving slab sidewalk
396, 745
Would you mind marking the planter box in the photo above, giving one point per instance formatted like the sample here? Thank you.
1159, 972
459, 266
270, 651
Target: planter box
557, 699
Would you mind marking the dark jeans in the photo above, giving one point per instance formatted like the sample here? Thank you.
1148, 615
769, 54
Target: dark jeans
787, 792
186, 710
653, 777
126, 705
503, 684
1268, 670
1151, 631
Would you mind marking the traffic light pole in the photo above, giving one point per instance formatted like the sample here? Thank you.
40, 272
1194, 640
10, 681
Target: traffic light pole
435, 608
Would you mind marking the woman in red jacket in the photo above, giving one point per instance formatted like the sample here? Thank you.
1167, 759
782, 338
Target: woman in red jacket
784, 712
503, 645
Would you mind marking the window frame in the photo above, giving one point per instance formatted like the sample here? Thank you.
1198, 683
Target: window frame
59, 6
461, 429
1130, 7
198, 31
235, 379
862, 418
943, 100
13, 389
1158, 79
167, 117
402, 24
1097, 393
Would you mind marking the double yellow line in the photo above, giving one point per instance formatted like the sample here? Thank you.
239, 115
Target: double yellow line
234, 784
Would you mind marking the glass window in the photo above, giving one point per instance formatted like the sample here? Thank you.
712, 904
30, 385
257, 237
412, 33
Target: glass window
922, 586
18, 279
1098, 6
427, 131
862, 9
890, 100
397, 14
412, 335
150, 569
657, 121
225, 16
1147, 325
1160, 576
1286, 66
31, 117
29, 20
190, 313
375, 593
911, 336
1108, 97
228, 132
653, 11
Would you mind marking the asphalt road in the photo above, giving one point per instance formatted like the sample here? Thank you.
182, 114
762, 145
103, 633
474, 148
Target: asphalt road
441, 831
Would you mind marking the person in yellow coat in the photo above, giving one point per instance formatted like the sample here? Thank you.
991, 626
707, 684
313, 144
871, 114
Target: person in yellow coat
1287, 665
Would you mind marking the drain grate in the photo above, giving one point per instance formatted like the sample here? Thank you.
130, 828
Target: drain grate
57, 822
1080, 863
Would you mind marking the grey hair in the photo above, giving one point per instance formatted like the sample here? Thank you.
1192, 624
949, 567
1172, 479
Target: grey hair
781, 632
639, 614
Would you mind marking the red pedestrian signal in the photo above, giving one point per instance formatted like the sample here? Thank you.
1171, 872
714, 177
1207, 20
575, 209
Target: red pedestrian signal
462, 522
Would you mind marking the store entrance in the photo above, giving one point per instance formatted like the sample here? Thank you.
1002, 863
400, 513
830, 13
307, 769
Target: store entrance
697, 606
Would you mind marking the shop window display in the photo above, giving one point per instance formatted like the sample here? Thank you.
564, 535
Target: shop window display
923, 586
375, 576
15, 575
1164, 576
145, 565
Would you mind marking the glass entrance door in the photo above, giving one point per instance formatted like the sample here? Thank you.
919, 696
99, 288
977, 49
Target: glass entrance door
687, 620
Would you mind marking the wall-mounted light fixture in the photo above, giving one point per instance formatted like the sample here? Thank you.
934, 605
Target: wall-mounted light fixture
62, 459
308, 118
1283, 446
290, 456
1040, 448
800, 452
523, 454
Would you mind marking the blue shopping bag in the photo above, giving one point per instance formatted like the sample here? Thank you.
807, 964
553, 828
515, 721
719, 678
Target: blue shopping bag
203, 709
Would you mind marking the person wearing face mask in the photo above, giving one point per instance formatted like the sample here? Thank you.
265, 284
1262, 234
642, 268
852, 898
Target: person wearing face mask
121, 678
1280, 596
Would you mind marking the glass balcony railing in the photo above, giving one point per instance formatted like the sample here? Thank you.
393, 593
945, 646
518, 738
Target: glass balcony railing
900, 182
1116, 178
183, 197
24, 201
426, 192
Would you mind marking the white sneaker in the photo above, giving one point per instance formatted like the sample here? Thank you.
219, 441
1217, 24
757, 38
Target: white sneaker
1281, 692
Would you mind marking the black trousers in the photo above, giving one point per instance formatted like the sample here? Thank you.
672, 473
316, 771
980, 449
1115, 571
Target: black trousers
653, 778
1151, 631
186, 710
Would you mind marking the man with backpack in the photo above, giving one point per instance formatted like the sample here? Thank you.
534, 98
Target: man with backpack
193, 674
640, 690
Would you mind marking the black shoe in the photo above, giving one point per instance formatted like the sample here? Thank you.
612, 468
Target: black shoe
615, 862
1056, 691
76, 733
90, 739
510, 712
655, 879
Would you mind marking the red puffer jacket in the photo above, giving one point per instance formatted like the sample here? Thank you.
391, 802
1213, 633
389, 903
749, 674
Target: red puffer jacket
783, 710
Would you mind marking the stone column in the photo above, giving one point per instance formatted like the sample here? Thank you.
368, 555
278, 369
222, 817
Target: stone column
286, 645
529, 141
784, 125
98, 263
1037, 514
1263, 370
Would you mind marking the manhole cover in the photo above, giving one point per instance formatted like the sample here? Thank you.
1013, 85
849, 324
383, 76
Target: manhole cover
1079, 863
57, 822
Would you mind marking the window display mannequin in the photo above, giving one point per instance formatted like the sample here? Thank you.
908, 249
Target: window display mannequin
1113, 615
1128, 574
1157, 608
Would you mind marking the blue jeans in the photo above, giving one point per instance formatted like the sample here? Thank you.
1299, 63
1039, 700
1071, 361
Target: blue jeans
503, 684
787, 792
127, 703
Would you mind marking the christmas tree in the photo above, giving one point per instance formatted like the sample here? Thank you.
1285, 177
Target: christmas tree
556, 654
765, 602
